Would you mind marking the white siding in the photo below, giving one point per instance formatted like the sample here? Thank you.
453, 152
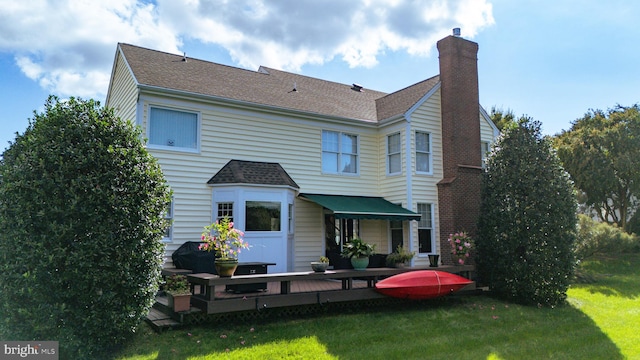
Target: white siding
309, 234
228, 133
123, 91
295, 144
427, 118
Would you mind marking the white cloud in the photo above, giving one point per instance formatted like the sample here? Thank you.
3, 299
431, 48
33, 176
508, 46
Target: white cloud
68, 45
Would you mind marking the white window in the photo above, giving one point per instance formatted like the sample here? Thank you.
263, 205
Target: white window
339, 153
397, 234
425, 229
290, 220
484, 150
168, 215
173, 129
394, 157
225, 209
423, 152
262, 216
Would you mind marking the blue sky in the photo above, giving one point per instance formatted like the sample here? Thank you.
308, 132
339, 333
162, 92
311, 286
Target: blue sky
551, 60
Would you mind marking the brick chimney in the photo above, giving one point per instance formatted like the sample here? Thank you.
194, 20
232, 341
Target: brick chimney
459, 189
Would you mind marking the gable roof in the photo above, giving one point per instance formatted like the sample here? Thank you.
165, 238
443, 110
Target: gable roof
252, 172
399, 102
268, 87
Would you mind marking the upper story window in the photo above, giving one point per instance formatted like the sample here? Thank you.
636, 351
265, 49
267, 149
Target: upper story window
423, 152
177, 130
394, 157
339, 153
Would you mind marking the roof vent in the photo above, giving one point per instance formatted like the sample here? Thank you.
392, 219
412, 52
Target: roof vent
456, 31
356, 87
184, 57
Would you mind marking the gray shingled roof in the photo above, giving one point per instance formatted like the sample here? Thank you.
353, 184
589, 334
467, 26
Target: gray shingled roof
268, 86
252, 172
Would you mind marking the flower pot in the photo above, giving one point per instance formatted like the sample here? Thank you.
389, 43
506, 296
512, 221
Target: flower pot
319, 266
360, 263
226, 267
433, 260
180, 302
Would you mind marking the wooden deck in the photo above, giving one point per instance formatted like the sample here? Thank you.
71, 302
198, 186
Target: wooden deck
210, 297
292, 289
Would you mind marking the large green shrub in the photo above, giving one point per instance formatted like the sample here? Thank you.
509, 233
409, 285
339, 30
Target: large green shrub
596, 237
81, 218
526, 230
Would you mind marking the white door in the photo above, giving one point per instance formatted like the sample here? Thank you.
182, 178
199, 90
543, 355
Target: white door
264, 216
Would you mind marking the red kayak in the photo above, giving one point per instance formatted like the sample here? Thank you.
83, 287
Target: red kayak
423, 284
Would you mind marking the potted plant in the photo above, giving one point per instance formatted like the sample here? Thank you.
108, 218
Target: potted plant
400, 257
358, 252
178, 293
320, 266
461, 245
227, 242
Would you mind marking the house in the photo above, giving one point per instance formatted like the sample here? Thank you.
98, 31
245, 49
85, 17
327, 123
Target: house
304, 164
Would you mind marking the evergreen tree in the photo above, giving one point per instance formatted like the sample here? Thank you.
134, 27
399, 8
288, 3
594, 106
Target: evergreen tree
81, 222
526, 230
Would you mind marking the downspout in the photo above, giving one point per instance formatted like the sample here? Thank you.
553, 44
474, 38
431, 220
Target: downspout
408, 166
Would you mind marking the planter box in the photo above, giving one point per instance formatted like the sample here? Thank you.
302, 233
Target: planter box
179, 303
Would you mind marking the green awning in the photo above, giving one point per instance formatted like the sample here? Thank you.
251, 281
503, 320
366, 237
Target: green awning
361, 207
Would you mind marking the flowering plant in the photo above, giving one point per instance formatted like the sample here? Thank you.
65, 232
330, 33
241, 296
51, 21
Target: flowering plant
461, 245
224, 239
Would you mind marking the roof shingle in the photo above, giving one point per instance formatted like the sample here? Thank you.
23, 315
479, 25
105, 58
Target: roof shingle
252, 172
268, 86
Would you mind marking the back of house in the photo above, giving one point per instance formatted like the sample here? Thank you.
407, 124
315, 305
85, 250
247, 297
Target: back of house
303, 165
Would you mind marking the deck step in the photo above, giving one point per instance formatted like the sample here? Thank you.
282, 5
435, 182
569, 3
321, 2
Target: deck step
160, 321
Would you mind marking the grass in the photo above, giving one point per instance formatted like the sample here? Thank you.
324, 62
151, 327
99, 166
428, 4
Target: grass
599, 322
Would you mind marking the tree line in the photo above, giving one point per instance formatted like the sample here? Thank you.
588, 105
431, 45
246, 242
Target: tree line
601, 154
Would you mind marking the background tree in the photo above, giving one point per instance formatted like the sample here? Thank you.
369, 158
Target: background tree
526, 230
501, 118
80, 228
601, 152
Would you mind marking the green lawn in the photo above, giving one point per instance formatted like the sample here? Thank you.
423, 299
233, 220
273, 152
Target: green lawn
600, 322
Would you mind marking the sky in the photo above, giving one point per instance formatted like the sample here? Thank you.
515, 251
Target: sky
550, 60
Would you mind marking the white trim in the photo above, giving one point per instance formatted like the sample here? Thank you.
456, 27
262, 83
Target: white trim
409, 188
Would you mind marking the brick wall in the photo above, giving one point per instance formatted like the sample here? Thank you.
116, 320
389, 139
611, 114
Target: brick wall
459, 190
